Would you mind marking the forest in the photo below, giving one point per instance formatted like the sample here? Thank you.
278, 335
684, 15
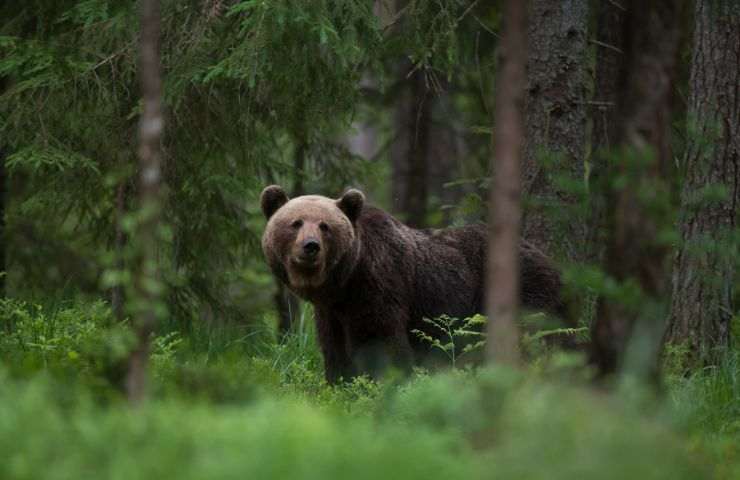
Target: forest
539, 200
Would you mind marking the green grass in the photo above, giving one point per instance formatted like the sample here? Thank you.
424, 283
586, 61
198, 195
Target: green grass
230, 402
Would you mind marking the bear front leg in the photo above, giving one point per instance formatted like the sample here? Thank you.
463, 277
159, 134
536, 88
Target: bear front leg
399, 350
337, 363
378, 341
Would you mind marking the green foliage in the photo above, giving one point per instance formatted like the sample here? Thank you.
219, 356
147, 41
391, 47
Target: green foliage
707, 406
541, 334
231, 401
270, 439
328, 43
242, 84
248, 84
459, 336
77, 344
428, 31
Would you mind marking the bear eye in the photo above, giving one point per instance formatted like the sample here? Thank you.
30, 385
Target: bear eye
324, 227
297, 224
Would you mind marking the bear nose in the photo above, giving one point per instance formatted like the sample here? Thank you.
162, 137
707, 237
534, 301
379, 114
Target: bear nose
311, 247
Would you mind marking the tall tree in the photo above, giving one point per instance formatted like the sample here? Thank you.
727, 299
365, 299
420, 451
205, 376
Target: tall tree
120, 239
288, 304
505, 209
3, 199
232, 113
147, 296
409, 150
704, 267
609, 64
639, 207
425, 151
555, 117
446, 154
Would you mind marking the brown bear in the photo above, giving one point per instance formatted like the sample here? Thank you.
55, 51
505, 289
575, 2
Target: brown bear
372, 279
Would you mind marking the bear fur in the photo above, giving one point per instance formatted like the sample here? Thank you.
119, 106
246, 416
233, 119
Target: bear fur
372, 279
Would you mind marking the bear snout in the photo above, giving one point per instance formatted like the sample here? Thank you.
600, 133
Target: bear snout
311, 247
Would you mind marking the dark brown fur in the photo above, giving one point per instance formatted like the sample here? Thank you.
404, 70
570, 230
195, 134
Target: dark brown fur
377, 289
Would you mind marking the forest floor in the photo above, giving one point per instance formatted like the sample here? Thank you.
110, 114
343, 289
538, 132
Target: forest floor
234, 403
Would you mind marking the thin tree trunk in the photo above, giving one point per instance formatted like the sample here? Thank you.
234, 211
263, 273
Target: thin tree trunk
637, 208
445, 152
288, 304
147, 288
409, 150
609, 69
119, 244
3, 207
299, 167
505, 215
287, 308
609, 66
364, 143
3, 240
555, 120
703, 276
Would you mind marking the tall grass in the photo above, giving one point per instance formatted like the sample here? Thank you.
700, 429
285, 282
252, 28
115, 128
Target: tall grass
234, 402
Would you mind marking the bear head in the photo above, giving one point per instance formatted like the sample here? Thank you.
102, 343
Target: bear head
310, 240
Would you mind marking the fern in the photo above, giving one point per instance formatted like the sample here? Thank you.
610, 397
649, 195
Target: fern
452, 331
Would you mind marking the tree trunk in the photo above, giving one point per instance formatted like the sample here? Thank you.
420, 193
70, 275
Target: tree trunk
609, 69
409, 150
639, 207
120, 239
703, 276
364, 139
446, 151
3, 207
505, 215
555, 119
3, 240
147, 286
288, 304
609, 66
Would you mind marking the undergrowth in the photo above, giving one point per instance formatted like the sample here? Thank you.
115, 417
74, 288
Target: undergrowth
231, 402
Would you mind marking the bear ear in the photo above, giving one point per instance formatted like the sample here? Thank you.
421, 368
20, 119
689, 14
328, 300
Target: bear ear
271, 199
351, 203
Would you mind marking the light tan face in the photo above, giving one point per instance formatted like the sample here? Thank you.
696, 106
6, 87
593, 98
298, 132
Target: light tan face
307, 236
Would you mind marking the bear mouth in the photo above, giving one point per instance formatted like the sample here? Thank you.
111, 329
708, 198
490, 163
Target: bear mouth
307, 265
305, 274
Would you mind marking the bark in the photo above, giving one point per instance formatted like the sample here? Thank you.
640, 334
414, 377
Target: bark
703, 275
288, 307
3, 240
409, 150
3, 206
364, 139
635, 217
445, 152
555, 119
299, 166
505, 215
120, 240
609, 66
288, 304
364, 142
609, 69
148, 296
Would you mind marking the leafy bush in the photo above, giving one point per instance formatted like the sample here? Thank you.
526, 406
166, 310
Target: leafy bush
228, 403
76, 344
270, 439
